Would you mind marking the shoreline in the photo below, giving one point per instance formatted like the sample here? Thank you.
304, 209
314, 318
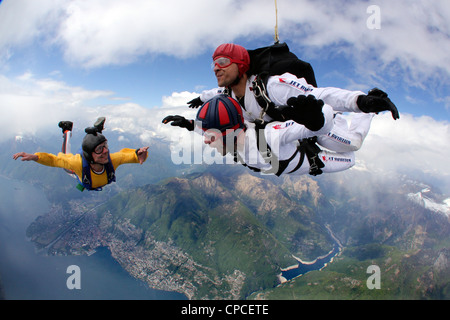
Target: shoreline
337, 250
308, 263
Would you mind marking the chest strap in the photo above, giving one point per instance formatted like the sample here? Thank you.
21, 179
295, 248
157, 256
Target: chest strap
86, 179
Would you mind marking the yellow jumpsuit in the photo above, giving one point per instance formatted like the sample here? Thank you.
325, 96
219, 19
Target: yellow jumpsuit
74, 163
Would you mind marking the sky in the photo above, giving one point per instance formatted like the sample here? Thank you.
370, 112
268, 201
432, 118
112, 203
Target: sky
137, 61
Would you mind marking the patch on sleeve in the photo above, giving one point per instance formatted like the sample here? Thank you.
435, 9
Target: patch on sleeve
282, 125
295, 84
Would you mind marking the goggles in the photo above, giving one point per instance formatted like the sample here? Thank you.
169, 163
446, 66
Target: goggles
99, 149
223, 62
212, 135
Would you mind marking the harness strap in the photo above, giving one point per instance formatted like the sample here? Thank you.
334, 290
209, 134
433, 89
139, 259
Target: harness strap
312, 153
267, 105
269, 156
307, 146
282, 165
262, 143
86, 180
259, 91
300, 162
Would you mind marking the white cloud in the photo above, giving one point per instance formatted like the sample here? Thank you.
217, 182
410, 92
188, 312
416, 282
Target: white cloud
23, 21
129, 29
411, 143
178, 99
29, 105
413, 40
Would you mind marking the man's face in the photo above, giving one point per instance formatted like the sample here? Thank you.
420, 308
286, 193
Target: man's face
214, 139
100, 154
226, 73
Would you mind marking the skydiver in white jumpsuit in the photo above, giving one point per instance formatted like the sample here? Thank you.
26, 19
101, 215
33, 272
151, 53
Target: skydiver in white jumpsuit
232, 61
222, 124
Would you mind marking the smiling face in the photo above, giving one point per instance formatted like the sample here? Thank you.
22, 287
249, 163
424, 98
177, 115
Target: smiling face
226, 76
229, 142
100, 154
214, 139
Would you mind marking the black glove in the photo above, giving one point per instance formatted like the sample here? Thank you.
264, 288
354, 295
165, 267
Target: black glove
376, 101
195, 103
179, 121
305, 110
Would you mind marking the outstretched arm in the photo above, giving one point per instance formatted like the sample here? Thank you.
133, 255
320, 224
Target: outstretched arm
281, 88
282, 133
179, 121
25, 156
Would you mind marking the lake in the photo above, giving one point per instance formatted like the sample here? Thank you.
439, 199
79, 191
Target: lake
317, 264
27, 275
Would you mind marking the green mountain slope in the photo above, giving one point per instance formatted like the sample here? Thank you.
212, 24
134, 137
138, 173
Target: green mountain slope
225, 234
250, 234
415, 276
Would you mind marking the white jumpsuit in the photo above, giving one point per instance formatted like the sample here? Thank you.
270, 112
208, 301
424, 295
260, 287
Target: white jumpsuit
282, 138
340, 138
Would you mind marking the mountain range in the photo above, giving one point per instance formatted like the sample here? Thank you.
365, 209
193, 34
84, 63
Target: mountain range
223, 232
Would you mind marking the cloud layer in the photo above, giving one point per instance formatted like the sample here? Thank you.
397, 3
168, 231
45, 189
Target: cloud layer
411, 143
413, 35
414, 41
